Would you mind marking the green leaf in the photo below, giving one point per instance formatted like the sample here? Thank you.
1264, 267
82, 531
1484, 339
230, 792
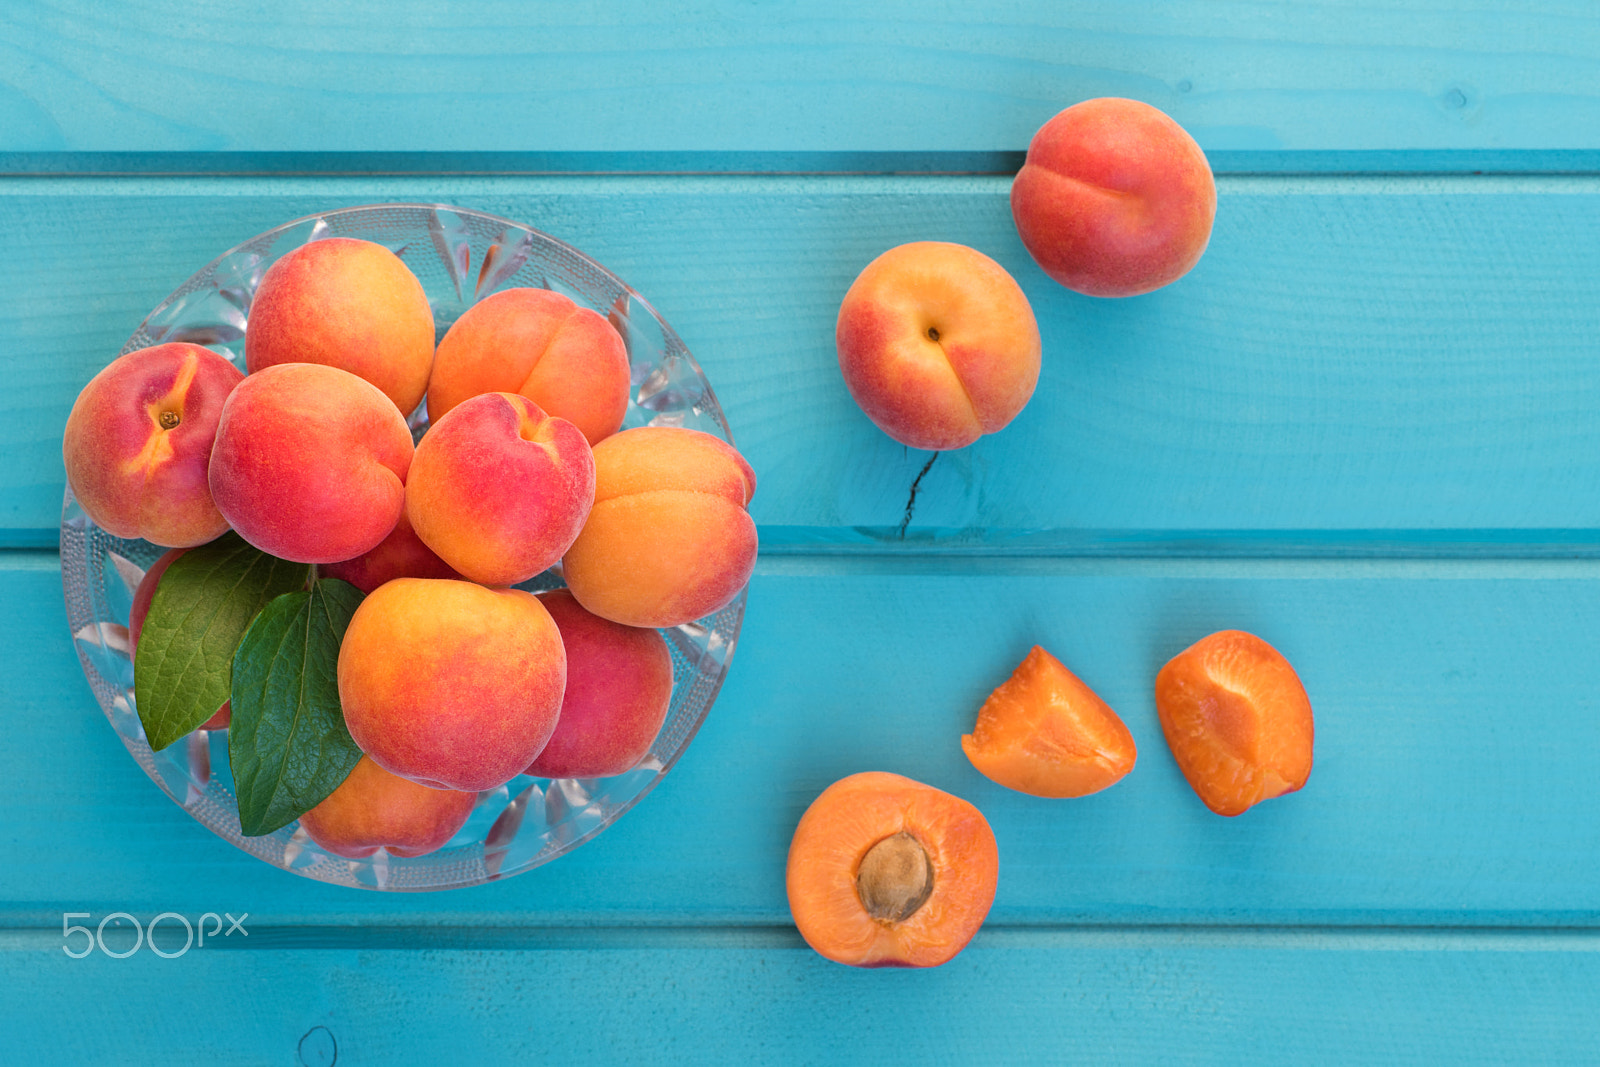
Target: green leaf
288, 745
183, 669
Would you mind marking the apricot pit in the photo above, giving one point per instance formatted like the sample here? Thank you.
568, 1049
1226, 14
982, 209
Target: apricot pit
895, 879
887, 872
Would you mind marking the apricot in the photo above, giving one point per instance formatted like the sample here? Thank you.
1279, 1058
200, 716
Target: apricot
310, 463
399, 555
499, 489
887, 872
619, 688
668, 539
1114, 199
142, 596
374, 809
565, 358
139, 439
1045, 733
349, 304
937, 344
1237, 719
450, 684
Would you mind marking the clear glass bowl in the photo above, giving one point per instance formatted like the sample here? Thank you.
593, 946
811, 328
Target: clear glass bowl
460, 256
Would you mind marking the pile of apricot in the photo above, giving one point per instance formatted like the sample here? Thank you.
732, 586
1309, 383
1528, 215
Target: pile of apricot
452, 682
938, 346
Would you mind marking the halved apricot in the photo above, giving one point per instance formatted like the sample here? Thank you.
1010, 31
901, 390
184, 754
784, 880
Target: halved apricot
1045, 733
1237, 719
887, 872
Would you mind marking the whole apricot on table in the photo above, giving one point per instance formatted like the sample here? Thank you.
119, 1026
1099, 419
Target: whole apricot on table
138, 444
668, 540
887, 872
310, 463
499, 489
619, 689
142, 597
373, 809
937, 344
1045, 733
1114, 199
564, 357
1237, 719
450, 684
345, 303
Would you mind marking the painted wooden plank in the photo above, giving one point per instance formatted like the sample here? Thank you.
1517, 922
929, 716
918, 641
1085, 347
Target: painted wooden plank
1397, 354
901, 76
1454, 783
1171, 998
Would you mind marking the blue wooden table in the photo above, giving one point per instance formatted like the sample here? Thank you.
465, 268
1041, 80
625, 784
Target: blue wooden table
1366, 427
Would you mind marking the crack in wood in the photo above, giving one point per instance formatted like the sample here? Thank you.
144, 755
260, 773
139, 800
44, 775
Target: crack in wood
911, 499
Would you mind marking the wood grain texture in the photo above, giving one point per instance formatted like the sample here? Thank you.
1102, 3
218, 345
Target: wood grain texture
379, 75
1454, 785
1173, 998
1401, 354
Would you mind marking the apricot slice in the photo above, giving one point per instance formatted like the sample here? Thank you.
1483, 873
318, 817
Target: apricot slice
1045, 733
1237, 719
887, 872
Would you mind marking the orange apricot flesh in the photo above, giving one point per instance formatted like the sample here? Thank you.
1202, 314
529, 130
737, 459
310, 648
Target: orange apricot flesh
1237, 719
1045, 733
887, 872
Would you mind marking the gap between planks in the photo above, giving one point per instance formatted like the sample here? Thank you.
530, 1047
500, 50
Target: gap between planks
396, 937
454, 187
1224, 162
1414, 562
